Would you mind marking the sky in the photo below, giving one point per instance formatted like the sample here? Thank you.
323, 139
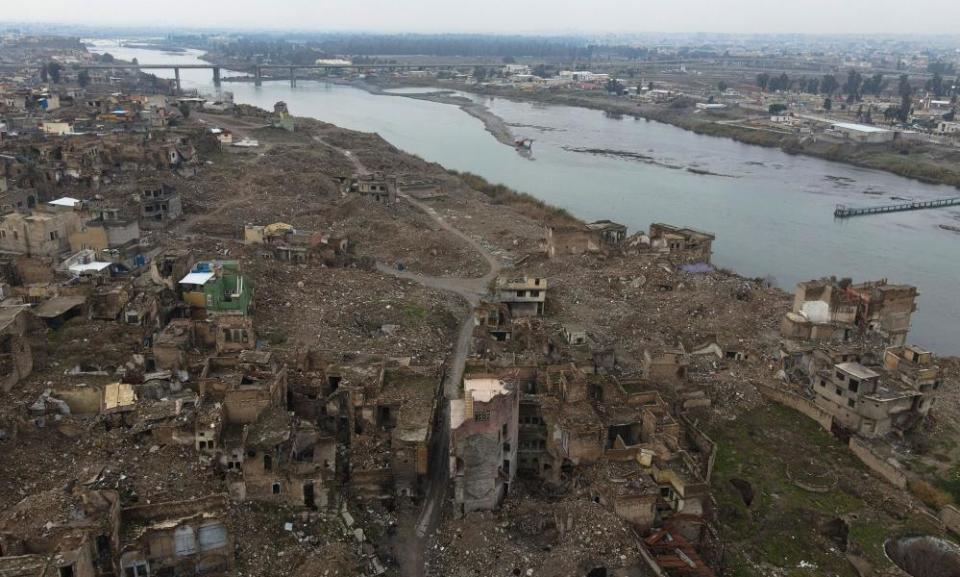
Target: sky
509, 16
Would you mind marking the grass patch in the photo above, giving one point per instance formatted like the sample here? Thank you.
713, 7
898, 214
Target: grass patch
415, 313
526, 204
784, 526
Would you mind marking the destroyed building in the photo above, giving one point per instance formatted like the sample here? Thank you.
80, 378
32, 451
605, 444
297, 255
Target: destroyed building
524, 296
41, 233
829, 310
107, 229
289, 244
160, 204
279, 458
245, 385
376, 187
63, 533
694, 244
577, 239
391, 411
552, 424
177, 538
868, 402
484, 428
16, 356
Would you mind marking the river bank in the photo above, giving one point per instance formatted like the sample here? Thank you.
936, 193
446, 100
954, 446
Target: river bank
918, 161
491, 122
774, 199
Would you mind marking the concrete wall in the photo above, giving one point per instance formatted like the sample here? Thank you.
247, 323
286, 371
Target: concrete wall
878, 464
950, 517
704, 445
81, 400
798, 403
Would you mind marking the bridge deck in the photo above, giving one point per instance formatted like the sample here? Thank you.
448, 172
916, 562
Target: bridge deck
846, 212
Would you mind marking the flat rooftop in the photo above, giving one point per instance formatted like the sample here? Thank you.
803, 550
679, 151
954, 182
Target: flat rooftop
857, 370
860, 127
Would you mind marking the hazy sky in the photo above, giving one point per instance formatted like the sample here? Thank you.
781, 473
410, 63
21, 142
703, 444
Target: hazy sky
548, 16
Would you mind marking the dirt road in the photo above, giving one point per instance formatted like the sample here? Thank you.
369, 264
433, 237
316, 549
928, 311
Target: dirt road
411, 540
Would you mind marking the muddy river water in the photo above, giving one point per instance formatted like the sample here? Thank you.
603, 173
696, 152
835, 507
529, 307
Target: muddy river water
772, 212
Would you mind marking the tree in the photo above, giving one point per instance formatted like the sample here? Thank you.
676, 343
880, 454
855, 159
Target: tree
783, 82
763, 80
83, 78
722, 86
136, 62
853, 86
106, 57
184, 109
829, 85
509, 60
53, 70
828, 104
44, 76
950, 116
777, 109
614, 86
480, 73
935, 85
904, 85
906, 98
891, 113
874, 85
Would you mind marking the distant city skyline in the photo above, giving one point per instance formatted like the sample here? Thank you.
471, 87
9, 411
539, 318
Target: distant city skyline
511, 16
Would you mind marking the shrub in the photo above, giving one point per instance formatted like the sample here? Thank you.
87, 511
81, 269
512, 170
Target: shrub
930, 495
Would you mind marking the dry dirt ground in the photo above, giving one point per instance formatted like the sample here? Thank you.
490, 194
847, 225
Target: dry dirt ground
353, 308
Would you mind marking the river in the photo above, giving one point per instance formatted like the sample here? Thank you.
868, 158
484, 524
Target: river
772, 212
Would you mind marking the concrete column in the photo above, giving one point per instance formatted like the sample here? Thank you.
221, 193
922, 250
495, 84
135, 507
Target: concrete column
176, 75
257, 76
216, 76
293, 76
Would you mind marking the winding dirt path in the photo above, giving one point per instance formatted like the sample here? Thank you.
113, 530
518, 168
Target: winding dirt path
411, 540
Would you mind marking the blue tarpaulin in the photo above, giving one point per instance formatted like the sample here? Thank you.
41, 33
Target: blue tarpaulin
697, 268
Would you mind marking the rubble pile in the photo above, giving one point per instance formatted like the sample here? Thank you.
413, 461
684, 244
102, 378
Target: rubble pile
258, 359
531, 537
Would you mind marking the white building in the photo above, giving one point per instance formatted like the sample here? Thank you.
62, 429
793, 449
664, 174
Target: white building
864, 133
944, 127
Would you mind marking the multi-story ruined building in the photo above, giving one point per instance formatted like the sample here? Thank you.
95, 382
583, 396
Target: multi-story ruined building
524, 296
555, 423
42, 233
377, 187
868, 402
484, 429
671, 239
160, 204
245, 385
835, 311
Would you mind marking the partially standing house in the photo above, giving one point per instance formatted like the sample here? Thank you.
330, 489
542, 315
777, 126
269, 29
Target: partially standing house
524, 296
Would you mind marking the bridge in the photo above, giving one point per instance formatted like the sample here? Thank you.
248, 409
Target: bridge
257, 70
843, 211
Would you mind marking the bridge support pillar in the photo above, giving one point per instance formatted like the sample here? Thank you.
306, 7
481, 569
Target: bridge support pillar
176, 76
216, 76
257, 76
293, 76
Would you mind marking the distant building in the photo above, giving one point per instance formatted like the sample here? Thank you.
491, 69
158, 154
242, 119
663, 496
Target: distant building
864, 133
159, 205
40, 233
